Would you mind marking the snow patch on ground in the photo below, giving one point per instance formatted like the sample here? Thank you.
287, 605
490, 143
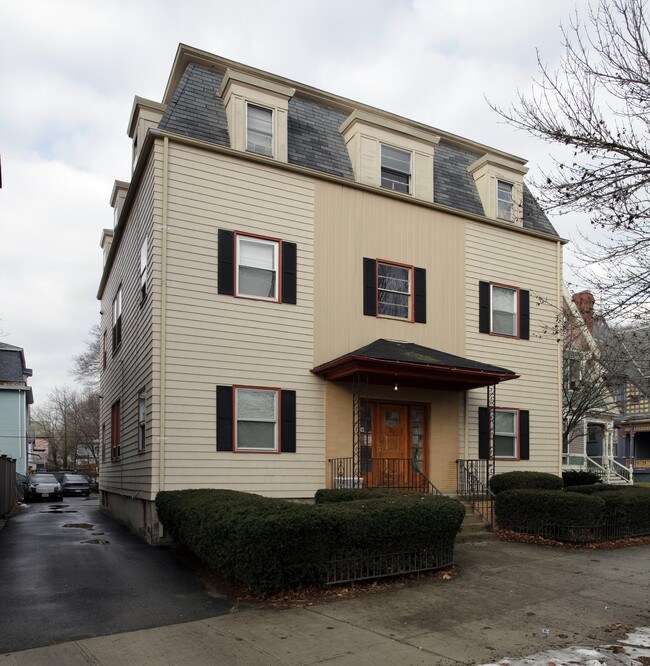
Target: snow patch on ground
626, 653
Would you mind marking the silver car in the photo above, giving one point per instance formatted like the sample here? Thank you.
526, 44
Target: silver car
43, 486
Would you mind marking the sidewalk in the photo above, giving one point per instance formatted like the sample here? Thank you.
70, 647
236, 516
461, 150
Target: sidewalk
508, 600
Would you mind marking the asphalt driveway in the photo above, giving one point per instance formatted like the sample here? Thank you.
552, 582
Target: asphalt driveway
68, 572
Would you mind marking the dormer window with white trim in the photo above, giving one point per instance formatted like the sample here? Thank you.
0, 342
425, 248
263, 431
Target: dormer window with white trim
504, 201
395, 169
259, 129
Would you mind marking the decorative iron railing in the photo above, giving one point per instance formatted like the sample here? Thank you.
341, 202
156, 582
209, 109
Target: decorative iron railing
392, 473
344, 569
473, 486
610, 527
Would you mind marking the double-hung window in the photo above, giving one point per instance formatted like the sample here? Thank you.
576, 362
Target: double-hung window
395, 169
257, 267
117, 320
505, 433
257, 419
504, 201
504, 310
259, 130
394, 290
142, 419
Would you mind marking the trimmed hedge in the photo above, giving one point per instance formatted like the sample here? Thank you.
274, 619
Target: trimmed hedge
271, 544
522, 480
578, 477
527, 508
326, 495
596, 488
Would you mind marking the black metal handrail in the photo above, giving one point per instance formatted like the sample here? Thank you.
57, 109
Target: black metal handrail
391, 473
473, 486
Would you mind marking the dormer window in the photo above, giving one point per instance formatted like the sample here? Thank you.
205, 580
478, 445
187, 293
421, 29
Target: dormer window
395, 169
259, 130
504, 201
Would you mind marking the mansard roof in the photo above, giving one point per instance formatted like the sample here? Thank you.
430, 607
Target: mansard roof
195, 110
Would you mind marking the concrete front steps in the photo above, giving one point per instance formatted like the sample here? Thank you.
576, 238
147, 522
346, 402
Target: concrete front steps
474, 528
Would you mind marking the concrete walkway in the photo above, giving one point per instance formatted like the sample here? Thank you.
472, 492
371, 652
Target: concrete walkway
508, 600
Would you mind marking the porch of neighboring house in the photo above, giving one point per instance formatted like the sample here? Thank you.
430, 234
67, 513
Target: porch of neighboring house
593, 449
395, 418
634, 448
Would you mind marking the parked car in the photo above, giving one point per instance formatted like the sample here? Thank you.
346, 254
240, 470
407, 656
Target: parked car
42, 486
75, 484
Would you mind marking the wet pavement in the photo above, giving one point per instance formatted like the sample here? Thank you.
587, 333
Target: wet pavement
68, 572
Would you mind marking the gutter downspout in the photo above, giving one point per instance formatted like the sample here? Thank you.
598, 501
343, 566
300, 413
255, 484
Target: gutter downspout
559, 356
163, 318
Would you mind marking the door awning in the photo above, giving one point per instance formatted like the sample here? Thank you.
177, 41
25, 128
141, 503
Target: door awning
408, 364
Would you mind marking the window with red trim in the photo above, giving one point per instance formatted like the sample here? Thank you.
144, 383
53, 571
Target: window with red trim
115, 431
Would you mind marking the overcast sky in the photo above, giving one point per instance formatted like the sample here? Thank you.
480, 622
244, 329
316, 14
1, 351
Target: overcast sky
70, 70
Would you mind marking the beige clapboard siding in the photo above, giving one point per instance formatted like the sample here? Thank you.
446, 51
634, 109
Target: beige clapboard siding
131, 368
353, 224
213, 339
499, 255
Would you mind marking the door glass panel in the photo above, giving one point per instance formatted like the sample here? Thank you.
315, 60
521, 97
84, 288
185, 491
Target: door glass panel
417, 438
392, 419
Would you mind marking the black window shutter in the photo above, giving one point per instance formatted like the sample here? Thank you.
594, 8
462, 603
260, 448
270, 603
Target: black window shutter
288, 421
224, 418
226, 269
484, 307
289, 273
369, 287
483, 433
420, 295
524, 435
524, 314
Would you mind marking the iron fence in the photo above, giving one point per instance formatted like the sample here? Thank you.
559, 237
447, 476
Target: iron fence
610, 528
389, 473
347, 569
473, 486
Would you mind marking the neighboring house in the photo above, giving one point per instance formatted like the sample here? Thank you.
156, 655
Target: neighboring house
15, 399
591, 412
624, 353
303, 291
39, 453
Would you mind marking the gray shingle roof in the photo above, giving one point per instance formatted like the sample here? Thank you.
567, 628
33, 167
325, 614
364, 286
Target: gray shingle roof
195, 109
314, 138
409, 352
11, 366
314, 142
453, 185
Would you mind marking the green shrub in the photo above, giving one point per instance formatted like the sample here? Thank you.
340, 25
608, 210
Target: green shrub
598, 488
273, 544
521, 480
577, 477
325, 495
517, 509
629, 510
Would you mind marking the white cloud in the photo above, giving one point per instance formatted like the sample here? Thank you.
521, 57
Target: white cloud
71, 69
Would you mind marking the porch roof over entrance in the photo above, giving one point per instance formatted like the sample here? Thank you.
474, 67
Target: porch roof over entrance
408, 364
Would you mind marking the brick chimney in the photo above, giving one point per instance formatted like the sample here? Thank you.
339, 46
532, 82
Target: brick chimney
584, 301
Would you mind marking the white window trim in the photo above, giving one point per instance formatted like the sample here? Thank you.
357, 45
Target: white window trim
266, 108
511, 218
143, 268
276, 261
410, 291
247, 449
410, 172
515, 435
516, 312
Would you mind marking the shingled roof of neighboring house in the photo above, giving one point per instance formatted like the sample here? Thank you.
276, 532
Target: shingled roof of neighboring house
11, 363
314, 141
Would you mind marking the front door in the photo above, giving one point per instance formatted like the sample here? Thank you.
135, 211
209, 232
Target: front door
392, 445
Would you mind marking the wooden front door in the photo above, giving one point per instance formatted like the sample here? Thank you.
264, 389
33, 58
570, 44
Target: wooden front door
392, 444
